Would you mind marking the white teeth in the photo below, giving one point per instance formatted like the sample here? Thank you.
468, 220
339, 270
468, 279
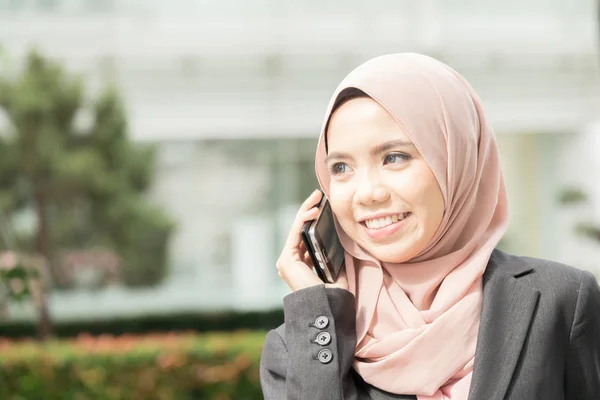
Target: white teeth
385, 221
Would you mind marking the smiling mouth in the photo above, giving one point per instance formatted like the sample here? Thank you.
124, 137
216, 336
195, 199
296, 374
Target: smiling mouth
381, 223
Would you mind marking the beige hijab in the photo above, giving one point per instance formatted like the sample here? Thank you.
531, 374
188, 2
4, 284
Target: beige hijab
417, 322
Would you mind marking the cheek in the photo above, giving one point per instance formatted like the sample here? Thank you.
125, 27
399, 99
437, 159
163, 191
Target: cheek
421, 190
431, 203
340, 198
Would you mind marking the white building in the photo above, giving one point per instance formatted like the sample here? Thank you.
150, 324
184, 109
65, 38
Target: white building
234, 93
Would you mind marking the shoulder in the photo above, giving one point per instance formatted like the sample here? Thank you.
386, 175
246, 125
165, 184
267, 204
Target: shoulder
560, 286
537, 272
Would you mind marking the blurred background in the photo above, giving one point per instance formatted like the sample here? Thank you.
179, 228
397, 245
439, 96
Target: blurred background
153, 155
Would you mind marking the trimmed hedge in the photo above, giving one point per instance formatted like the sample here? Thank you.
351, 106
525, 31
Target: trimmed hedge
198, 322
216, 366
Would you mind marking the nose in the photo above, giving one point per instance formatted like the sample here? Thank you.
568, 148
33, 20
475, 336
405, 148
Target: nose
370, 191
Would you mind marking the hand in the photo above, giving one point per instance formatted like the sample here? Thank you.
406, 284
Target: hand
294, 264
341, 282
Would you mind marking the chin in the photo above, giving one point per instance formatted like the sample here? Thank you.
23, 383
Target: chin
392, 258
390, 253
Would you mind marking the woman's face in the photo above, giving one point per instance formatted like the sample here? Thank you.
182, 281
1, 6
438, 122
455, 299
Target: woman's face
382, 191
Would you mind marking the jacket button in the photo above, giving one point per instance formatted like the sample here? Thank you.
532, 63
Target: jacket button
325, 356
323, 338
322, 322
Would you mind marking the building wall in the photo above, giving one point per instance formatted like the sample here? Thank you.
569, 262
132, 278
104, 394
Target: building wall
273, 63
234, 92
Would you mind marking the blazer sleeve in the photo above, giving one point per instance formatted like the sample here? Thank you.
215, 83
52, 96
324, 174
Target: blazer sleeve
582, 373
311, 355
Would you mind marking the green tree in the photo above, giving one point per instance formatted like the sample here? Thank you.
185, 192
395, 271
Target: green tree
570, 196
85, 184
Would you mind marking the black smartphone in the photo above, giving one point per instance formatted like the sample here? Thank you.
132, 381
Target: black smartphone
323, 244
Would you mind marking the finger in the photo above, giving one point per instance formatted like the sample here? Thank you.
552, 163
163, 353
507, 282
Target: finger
307, 260
302, 247
306, 212
311, 200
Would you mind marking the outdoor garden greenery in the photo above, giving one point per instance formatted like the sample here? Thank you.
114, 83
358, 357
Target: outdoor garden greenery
216, 366
72, 184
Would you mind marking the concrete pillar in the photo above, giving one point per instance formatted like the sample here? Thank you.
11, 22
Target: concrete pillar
252, 264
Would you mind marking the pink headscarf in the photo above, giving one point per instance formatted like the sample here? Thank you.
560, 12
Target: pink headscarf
417, 322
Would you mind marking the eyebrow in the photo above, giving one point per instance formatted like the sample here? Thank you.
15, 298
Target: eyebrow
380, 148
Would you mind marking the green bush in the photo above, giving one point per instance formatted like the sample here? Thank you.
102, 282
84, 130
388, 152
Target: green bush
140, 324
217, 366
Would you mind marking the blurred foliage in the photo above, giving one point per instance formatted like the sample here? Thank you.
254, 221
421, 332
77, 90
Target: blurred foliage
571, 195
139, 324
84, 182
15, 282
574, 196
163, 367
588, 230
25, 277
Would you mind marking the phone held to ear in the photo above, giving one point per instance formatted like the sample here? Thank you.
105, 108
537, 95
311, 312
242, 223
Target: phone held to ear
323, 245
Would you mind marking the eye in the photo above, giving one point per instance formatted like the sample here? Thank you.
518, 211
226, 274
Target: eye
395, 158
339, 168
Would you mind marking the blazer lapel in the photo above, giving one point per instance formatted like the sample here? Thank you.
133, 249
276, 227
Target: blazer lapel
507, 311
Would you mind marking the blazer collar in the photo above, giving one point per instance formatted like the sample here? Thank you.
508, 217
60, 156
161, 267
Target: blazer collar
507, 311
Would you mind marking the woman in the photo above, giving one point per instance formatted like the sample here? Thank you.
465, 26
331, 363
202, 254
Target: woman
427, 306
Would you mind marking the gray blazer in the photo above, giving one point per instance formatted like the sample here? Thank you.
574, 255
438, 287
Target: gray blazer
539, 338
